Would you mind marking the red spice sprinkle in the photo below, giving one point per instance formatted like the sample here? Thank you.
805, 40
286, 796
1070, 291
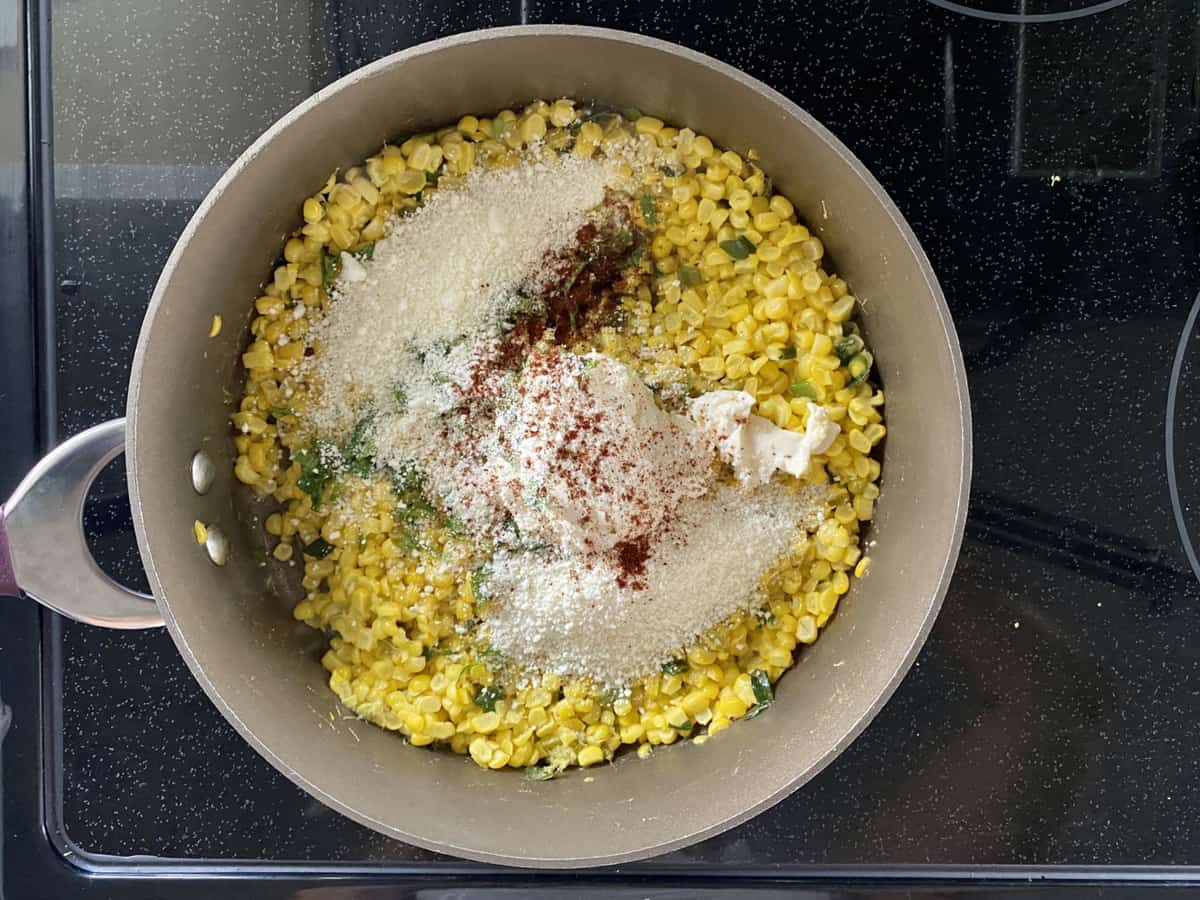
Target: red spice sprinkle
632, 555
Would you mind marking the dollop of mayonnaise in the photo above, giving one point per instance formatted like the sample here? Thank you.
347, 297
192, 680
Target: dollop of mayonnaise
755, 447
586, 460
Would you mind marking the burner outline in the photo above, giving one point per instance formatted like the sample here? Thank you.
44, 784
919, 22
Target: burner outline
1029, 18
1172, 396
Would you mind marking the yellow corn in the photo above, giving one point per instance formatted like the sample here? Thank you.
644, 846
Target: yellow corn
767, 324
591, 755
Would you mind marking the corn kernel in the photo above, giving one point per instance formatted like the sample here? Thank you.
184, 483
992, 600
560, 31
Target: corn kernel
766, 221
410, 181
481, 751
806, 629
245, 472
590, 755
648, 125
485, 723
732, 161
533, 129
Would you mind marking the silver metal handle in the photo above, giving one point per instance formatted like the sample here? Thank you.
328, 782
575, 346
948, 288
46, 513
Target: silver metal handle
43, 552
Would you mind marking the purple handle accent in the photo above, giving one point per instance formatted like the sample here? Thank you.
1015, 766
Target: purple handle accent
8, 577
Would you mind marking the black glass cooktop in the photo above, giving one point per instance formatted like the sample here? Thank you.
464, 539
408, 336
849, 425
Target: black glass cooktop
1044, 151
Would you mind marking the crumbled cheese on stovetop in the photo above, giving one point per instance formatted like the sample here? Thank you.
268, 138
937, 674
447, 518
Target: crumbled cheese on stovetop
568, 614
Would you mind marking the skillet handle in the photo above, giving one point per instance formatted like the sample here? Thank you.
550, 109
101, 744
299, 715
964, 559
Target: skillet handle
43, 552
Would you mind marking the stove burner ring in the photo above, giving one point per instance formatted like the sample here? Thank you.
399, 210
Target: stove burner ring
1061, 15
1172, 396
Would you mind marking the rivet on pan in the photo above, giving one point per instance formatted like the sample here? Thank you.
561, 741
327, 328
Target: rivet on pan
203, 472
217, 545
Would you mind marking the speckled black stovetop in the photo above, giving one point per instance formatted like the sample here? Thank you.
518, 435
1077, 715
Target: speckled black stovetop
1049, 169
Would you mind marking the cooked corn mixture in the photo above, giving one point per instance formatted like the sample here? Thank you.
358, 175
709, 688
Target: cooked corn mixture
704, 282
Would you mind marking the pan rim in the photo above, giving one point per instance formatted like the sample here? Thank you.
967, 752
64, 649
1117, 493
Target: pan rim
747, 82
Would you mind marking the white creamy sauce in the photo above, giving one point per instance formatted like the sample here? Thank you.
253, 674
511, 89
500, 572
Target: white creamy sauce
755, 447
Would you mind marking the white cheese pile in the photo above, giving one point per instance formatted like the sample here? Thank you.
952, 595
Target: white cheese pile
446, 270
569, 614
585, 458
755, 447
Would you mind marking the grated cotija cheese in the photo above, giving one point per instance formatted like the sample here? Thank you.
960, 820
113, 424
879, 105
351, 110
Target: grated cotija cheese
570, 615
447, 270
